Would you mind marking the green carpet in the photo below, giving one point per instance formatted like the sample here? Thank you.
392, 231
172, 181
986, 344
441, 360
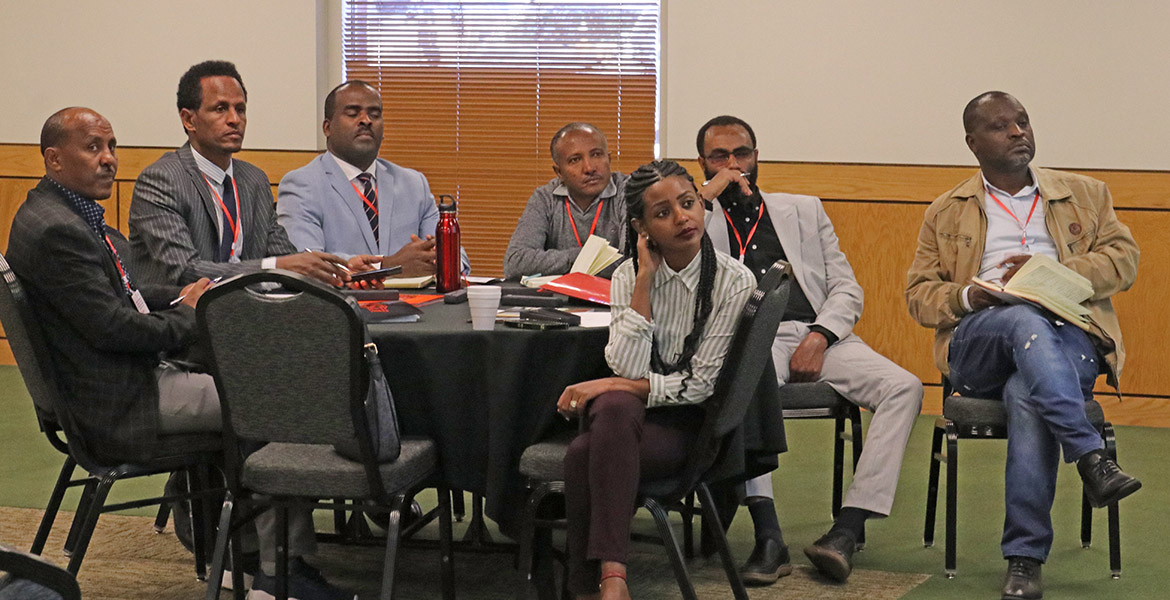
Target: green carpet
29, 468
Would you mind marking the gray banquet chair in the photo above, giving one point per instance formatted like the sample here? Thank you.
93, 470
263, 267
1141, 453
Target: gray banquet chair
965, 417
820, 401
25, 576
198, 454
749, 359
289, 359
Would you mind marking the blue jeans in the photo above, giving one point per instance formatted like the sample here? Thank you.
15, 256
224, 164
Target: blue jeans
1044, 370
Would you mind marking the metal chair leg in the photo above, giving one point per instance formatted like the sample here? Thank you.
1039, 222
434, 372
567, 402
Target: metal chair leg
89, 522
715, 528
672, 549
54, 505
220, 551
932, 487
393, 532
952, 497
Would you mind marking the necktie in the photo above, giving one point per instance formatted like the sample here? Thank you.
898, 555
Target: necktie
231, 220
370, 201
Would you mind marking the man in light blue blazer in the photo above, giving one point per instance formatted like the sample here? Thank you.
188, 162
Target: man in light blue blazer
349, 202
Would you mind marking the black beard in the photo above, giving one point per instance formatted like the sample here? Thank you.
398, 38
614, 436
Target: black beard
733, 194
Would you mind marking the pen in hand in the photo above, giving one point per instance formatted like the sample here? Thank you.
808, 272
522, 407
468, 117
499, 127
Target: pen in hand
181, 296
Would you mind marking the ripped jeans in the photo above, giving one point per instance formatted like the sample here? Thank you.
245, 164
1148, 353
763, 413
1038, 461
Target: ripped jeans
1044, 370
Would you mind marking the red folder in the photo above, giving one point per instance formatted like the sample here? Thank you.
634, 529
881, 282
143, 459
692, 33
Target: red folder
581, 285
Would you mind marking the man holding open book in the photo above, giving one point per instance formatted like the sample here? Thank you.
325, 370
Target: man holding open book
1057, 234
584, 201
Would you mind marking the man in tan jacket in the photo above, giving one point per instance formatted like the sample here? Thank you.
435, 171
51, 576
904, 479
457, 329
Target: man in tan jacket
1042, 367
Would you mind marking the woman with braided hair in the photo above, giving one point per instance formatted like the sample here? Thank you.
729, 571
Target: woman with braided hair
675, 306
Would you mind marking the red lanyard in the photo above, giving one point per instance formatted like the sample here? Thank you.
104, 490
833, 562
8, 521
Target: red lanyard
118, 263
234, 224
369, 204
1024, 226
592, 228
743, 243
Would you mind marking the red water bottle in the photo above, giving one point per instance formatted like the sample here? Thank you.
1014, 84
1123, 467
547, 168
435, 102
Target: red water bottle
448, 262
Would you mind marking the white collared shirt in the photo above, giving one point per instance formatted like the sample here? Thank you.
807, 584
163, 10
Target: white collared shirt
672, 302
1005, 237
214, 176
351, 172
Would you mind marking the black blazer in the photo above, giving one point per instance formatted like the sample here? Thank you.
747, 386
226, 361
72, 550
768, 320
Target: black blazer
103, 350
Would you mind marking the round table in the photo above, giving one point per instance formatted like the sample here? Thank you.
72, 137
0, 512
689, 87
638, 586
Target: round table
483, 396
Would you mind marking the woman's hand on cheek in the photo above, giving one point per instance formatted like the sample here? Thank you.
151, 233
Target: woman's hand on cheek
648, 258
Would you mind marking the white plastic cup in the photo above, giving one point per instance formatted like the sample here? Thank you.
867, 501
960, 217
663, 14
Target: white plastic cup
484, 301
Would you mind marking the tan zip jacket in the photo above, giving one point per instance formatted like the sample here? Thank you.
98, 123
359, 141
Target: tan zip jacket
1078, 212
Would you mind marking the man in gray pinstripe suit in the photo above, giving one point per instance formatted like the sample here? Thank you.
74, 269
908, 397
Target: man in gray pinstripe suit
198, 212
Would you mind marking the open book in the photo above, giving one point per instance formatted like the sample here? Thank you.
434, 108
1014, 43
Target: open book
1047, 283
596, 254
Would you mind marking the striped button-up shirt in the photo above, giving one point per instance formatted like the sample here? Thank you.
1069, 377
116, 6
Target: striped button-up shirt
672, 302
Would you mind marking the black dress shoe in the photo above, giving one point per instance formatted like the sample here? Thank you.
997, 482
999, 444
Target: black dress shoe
768, 562
1105, 482
1023, 579
832, 555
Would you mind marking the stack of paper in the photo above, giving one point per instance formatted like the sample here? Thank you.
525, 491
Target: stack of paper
1048, 283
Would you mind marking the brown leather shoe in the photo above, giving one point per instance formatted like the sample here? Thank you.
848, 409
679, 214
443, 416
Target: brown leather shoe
1022, 581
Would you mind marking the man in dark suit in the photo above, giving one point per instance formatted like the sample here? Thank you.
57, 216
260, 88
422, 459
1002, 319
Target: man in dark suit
105, 329
197, 212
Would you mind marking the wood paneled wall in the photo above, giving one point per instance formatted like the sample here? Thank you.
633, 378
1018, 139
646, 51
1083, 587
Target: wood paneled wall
876, 210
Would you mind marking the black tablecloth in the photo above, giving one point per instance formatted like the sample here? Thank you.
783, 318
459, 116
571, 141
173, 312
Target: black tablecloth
483, 396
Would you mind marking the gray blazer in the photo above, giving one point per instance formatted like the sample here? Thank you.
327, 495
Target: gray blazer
173, 222
811, 246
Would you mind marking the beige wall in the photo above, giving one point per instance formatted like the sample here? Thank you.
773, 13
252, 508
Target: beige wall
886, 82
124, 59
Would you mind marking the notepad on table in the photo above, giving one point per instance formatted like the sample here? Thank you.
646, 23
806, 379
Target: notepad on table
408, 283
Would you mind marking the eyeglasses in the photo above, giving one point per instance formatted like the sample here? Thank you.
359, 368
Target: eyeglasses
720, 157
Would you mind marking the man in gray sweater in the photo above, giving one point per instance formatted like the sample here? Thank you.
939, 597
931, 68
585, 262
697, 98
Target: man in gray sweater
584, 199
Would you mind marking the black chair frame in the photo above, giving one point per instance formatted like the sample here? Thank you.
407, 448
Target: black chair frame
952, 432
734, 390
31, 351
241, 507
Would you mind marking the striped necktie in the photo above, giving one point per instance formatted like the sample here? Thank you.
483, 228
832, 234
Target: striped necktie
370, 201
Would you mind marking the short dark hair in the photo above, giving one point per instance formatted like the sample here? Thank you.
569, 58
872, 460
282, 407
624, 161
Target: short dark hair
53, 132
722, 121
331, 97
973, 105
563, 131
190, 94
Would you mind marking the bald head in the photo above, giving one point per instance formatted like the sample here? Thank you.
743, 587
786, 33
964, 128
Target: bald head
79, 149
971, 111
573, 128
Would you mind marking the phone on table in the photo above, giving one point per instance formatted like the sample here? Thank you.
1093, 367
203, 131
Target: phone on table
376, 273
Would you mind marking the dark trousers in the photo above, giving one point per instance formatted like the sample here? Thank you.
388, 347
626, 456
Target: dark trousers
624, 444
